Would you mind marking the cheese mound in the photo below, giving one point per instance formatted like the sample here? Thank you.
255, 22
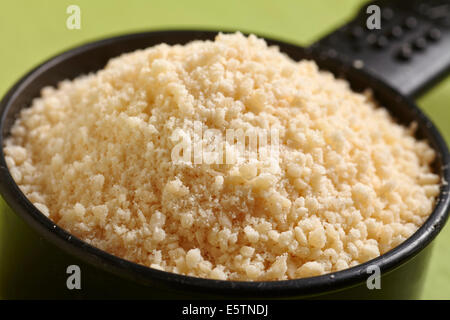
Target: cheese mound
95, 155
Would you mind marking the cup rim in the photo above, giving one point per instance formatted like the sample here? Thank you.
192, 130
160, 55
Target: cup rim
334, 281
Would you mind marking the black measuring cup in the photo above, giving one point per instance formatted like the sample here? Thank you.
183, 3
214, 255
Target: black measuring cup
35, 253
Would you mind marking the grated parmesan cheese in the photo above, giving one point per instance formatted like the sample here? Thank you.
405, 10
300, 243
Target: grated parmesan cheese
348, 183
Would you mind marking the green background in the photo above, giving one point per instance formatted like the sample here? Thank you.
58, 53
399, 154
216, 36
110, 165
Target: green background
32, 31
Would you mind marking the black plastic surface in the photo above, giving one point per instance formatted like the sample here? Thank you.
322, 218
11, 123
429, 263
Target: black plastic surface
410, 51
